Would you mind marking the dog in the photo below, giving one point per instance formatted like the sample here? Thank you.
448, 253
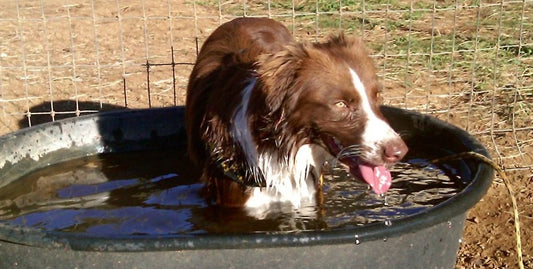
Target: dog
265, 113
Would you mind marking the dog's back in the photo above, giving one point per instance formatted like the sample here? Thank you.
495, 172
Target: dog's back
229, 53
239, 41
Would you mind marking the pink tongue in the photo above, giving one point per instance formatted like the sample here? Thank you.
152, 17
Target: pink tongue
378, 177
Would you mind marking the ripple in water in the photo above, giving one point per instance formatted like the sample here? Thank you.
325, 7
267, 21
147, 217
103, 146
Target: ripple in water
155, 193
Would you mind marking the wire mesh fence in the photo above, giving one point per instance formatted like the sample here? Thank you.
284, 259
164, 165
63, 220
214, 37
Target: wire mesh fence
467, 62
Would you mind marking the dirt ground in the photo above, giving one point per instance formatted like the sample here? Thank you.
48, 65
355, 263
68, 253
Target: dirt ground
62, 59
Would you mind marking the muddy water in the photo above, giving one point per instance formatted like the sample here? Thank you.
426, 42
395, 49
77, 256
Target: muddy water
156, 193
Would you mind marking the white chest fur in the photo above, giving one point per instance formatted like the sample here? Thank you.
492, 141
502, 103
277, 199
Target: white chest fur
291, 181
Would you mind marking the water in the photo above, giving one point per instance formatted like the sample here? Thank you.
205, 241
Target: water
156, 193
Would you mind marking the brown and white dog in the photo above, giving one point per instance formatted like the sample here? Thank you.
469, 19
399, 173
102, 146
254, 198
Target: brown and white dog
264, 113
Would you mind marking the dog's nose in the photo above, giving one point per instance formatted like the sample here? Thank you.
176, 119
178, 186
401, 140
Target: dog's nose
394, 150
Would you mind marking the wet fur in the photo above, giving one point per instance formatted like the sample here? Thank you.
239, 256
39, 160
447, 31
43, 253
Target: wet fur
294, 88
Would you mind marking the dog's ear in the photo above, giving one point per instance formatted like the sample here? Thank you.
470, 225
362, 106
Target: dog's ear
278, 74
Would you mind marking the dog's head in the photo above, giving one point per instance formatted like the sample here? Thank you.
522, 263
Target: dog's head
328, 94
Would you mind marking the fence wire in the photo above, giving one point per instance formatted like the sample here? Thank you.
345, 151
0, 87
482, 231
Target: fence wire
467, 62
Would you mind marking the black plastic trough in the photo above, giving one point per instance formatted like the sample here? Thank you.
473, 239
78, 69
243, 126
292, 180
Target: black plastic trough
427, 240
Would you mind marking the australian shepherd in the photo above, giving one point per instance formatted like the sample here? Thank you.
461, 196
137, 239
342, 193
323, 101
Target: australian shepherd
265, 113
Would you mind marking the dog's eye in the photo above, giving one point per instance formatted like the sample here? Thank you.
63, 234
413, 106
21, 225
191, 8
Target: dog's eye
341, 104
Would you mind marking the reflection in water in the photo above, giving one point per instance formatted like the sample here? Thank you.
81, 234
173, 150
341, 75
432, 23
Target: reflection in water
156, 193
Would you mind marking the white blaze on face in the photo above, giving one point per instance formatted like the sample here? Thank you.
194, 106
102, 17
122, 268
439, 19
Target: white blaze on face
376, 130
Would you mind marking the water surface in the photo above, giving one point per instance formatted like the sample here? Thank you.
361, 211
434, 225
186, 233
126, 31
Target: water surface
156, 193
